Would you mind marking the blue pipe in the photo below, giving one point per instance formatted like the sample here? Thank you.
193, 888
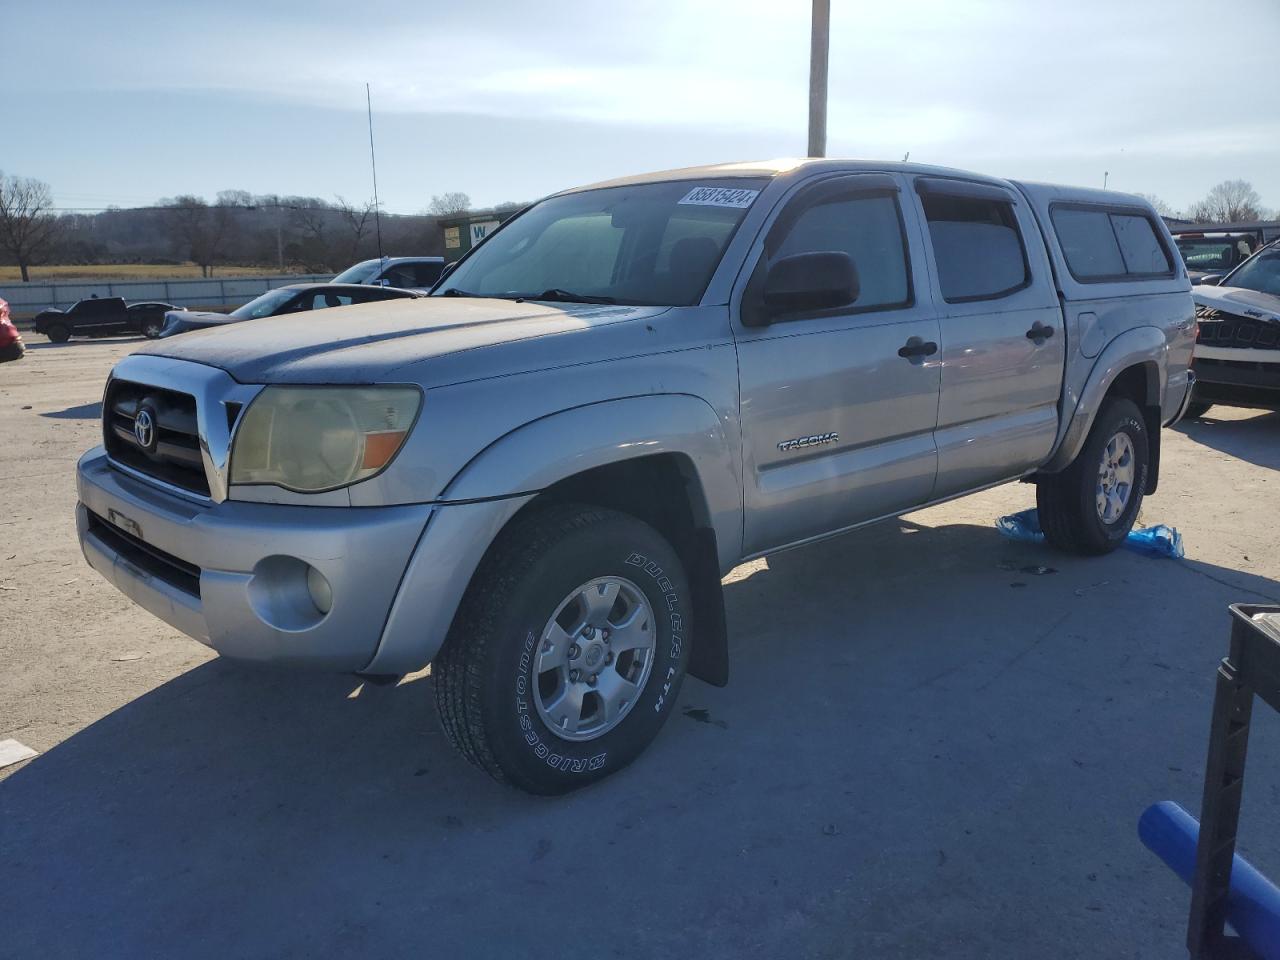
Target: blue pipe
1253, 903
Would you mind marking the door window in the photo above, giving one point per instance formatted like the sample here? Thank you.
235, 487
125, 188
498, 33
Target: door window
424, 275
319, 301
869, 229
977, 247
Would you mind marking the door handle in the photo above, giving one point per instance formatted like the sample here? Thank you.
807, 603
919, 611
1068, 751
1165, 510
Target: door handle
1039, 332
916, 349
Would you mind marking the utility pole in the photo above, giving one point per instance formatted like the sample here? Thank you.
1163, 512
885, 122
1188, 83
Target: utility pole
373, 163
819, 45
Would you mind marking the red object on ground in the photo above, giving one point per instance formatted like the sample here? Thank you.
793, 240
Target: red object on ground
11, 346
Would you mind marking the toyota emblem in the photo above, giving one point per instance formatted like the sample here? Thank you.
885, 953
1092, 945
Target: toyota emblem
144, 429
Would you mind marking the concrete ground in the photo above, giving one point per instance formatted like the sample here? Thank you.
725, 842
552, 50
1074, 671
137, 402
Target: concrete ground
928, 748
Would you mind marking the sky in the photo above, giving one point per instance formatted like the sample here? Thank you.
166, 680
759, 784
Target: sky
509, 100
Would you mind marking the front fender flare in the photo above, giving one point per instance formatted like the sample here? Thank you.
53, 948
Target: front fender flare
1137, 346
556, 447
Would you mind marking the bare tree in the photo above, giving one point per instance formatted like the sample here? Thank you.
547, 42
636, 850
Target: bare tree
28, 228
447, 204
359, 220
312, 216
1159, 205
199, 229
1231, 201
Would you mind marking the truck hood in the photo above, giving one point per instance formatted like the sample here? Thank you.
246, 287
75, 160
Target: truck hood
368, 342
1248, 303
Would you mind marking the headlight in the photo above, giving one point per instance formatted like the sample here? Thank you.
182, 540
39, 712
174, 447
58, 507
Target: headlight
311, 439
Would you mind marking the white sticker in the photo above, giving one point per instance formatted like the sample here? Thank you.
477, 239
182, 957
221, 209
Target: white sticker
720, 197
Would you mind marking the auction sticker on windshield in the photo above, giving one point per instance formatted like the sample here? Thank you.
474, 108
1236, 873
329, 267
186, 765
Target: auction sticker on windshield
720, 197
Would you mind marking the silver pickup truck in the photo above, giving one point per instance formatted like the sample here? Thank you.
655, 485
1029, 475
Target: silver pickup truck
535, 479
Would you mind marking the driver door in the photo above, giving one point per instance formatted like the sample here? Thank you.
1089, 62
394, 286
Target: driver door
839, 406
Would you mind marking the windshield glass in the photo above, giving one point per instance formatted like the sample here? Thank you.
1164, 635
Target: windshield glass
650, 243
263, 306
1207, 254
362, 272
1262, 273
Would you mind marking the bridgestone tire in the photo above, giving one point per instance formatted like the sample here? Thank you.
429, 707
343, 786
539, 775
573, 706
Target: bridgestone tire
483, 677
59, 333
1066, 501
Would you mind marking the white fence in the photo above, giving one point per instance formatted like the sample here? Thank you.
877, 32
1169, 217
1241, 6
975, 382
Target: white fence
29, 298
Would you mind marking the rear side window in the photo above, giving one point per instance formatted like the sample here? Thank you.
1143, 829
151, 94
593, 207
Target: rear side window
1109, 245
977, 247
425, 274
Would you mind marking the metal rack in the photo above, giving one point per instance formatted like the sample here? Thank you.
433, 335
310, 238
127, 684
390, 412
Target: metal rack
1252, 668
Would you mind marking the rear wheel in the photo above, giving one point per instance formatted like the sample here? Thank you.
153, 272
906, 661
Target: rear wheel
59, 333
1090, 507
568, 650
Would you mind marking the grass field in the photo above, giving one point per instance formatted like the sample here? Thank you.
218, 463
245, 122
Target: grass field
130, 271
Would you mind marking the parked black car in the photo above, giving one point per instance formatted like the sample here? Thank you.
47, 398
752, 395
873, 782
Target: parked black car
295, 298
407, 273
148, 317
101, 316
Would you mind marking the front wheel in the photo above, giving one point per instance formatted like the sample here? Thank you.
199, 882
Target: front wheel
568, 650
1090, 507
59, 333
151, 328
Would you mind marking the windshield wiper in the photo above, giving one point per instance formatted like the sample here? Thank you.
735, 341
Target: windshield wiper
455, 292
556, 295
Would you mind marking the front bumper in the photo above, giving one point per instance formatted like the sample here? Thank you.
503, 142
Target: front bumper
1244, 383
233, 575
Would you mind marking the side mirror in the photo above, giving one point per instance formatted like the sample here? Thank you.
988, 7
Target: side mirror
810, 281
1211, 280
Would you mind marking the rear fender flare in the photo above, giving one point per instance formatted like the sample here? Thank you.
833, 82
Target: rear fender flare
1141, 345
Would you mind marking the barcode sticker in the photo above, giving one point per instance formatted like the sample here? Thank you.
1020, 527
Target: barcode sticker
720, 197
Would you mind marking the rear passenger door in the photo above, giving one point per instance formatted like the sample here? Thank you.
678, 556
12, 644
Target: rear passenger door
838, 406
1002, 348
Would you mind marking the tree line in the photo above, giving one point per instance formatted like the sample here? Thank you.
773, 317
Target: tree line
273, 231
305, 234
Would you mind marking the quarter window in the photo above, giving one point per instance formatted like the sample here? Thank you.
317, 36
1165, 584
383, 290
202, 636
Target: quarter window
977, 247
1142, 252
869, 230
1107, 245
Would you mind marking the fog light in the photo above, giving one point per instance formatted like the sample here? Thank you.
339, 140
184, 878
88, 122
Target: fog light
321, 592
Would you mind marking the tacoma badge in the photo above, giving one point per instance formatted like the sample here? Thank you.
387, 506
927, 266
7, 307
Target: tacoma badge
817, 440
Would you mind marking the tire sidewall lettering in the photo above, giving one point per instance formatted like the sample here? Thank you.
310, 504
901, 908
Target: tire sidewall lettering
557, 754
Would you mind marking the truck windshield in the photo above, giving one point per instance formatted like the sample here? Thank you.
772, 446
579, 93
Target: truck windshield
362, 272
1213, 253
1262, 273
265, 305
651, 243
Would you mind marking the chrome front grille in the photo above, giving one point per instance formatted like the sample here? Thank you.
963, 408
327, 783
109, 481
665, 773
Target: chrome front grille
164, 444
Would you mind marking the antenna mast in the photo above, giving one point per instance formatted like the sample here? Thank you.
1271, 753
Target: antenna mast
373, 162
